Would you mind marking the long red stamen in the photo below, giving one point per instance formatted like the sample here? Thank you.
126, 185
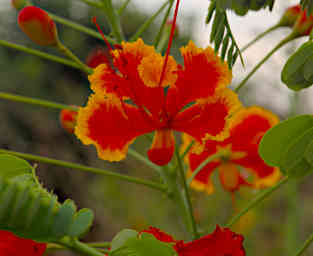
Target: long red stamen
94, 20
169, 43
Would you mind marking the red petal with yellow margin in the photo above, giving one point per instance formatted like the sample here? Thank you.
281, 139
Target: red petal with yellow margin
208, 118
221, 242
162, 148
203, 73
110, 125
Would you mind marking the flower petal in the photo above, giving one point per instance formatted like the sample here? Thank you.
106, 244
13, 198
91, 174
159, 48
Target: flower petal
162, 148
208, 118
221, 242
160, 235
202, 75
110, 125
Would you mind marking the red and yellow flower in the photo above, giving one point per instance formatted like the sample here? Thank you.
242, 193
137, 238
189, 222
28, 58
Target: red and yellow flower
238, 161
221, 242
132, 99
11, 245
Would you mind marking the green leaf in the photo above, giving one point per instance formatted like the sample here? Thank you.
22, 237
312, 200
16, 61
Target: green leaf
278, 139
143, 245
297, 72
82, 223
293, 161
308, 154
12, 166
120, 239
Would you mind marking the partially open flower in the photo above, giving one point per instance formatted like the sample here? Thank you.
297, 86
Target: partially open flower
38, 26
11, 245
68, 119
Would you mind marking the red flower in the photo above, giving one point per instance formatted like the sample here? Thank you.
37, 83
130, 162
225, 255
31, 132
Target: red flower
37, 24
240, 149
290, 16
11, 245
130, 101
303, 24
222, 242
68, 119
97, 56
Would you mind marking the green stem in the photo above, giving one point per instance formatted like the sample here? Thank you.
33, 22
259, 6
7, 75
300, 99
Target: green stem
144, 26
186, 198
187, 149
91, 3
84, 168
306, 244
277, 47
36, 102
141, 158
113, 19
79, 247
100, 244
204, 163
80, 28
122, 8
260, 36
41, 54
165, 18
258, 199
67, 52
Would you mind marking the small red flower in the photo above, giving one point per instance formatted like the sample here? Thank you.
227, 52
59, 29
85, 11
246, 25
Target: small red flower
222, 242
37, 24
130, 100
11, 245
247, 128
68, 119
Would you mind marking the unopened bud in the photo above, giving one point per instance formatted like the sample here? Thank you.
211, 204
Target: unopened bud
37, 24
97, 56
303, 25
68, 119
290, 16
20, 4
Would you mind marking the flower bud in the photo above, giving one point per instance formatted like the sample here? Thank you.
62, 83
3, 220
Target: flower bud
68, 119
97, 56
303, 25
290, 16
19, 4
37, 24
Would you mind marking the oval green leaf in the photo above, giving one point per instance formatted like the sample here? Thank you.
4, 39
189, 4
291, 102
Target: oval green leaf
12, 166
278, 139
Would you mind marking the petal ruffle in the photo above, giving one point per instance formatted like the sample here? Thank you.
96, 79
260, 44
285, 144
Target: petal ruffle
203, 73
221, 242
208, 119
110, 125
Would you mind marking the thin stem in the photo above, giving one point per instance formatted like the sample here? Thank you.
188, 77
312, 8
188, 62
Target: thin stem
140, 157
277, 47
203, 163
144, 26
258, 37
67, 52
36, 102
122, 8
79, 247
113, 19
187, 149
165, 18
100, 244
258, 199
306, 244
41, 54
80, 28
84, 168
186, 198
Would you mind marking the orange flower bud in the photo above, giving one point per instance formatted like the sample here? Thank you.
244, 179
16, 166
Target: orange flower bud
37, 24
68, 119
98, 56
290, 16
19, 4
303, 25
